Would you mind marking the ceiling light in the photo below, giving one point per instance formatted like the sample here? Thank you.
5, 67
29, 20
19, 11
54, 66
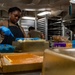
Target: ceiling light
30, 9
72, 1
41, 9
27, 17
44, 13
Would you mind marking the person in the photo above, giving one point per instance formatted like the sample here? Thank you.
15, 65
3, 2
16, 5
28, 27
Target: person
12, 26
34, 34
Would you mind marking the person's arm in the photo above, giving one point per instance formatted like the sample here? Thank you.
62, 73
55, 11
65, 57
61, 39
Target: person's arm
28, 35
1, 23
1, 33
42, 36
23, 32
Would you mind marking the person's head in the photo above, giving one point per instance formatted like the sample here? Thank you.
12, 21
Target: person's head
31, 28
14, 14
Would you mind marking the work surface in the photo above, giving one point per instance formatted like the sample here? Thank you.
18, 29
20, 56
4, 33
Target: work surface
24, 73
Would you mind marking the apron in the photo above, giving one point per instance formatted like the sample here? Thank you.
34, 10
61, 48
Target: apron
16, 31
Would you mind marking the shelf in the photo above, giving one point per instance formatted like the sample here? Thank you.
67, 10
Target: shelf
54, 29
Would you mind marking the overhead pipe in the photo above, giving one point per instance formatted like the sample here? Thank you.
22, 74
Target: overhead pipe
35, 1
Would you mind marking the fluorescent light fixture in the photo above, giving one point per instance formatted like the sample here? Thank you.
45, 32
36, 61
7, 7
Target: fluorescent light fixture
30, 9
26, 17
72, 1
41, 9
44, 13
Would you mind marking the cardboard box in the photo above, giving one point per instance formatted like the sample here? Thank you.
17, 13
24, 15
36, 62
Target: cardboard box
31, 46
68, 45
63, 44
58, 64
6, 67
67, 51
59, 44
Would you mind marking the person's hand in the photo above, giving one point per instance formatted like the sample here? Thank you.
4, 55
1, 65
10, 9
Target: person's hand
6, 31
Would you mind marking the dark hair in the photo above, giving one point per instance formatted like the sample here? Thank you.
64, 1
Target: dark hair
31, 28
12, 9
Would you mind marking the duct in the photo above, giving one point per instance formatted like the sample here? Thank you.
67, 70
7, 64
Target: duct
56, 12
35, 1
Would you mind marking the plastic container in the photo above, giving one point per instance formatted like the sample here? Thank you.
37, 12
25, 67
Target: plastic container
59, 44
5, 48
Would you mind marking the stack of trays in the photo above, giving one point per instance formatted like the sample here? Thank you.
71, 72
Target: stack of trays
63, 44
16, 62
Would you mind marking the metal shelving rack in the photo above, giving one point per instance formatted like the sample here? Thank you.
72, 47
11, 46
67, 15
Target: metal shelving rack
51, 27
68, 33
42, 26
46, 26
26, 23
54, 29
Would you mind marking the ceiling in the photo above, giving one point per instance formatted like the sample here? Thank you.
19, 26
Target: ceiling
34, 3
58, 7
